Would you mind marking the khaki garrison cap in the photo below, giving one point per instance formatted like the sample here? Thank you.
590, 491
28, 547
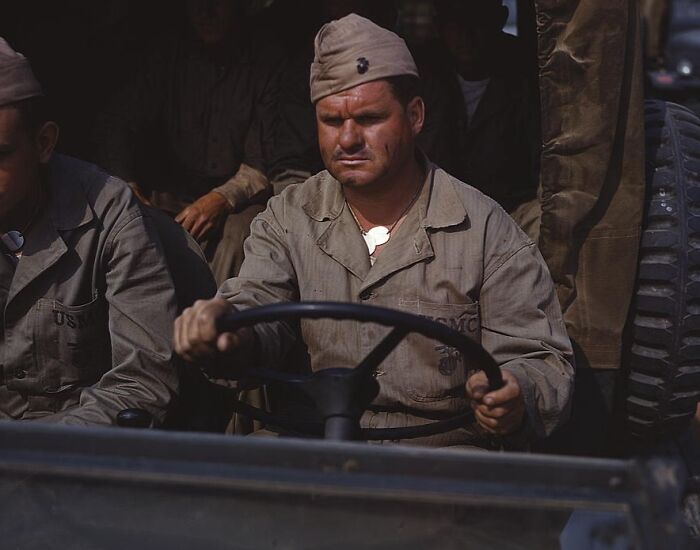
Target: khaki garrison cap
352, 51
17, 81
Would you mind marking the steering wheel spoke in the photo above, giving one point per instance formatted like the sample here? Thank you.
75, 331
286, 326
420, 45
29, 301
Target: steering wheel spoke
381, 351
342, 395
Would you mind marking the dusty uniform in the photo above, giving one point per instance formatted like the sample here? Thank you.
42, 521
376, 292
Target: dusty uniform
88, 310
457, 258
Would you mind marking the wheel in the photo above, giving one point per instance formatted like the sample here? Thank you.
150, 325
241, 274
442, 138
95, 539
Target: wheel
664, 356
341, 395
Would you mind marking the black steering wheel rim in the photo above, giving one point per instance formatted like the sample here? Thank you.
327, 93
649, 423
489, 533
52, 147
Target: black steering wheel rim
402, 324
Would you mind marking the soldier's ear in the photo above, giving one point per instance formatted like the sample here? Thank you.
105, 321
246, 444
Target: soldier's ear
416, 114
45, 140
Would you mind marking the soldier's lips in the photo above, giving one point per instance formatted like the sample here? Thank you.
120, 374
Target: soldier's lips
352, 161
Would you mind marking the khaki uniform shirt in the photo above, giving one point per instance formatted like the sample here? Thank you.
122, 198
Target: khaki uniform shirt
457, 258
90, 308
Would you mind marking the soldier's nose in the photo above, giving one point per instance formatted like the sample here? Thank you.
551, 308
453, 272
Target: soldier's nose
350, 139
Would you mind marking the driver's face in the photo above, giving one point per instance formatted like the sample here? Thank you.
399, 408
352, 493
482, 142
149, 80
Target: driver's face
365, 134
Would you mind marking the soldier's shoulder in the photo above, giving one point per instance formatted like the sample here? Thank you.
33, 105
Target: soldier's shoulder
475, 202
104, 193
295, 197
484, 213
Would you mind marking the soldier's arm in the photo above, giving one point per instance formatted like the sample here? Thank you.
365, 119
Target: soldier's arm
266, 277
523, 329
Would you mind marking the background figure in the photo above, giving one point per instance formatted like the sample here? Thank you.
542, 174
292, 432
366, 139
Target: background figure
193, 131
483, 118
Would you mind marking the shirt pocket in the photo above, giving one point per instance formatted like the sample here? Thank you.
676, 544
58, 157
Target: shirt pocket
71, 343
431, 371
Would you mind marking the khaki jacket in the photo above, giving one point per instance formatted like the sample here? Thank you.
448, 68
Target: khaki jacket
592, 173
457, 258
90, 308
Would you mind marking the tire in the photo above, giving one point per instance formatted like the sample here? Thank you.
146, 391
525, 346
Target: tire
663, 359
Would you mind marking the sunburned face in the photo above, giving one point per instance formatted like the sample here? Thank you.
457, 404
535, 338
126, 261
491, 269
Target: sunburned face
365, 134
21, 154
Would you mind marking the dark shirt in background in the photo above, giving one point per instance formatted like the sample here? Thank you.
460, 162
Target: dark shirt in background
190, 120
498, 150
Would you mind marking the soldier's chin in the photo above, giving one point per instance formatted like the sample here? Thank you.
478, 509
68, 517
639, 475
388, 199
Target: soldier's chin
353, 178
354, 182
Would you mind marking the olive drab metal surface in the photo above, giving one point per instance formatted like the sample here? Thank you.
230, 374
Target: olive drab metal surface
103, 488
592, 183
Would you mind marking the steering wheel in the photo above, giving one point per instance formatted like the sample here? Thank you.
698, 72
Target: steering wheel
341, 395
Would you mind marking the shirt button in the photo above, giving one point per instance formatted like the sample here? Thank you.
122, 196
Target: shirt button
366, 295
20, 373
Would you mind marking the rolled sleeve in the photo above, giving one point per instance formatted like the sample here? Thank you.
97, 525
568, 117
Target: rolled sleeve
244, 187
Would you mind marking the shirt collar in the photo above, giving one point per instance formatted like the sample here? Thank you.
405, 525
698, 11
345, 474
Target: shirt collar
440, 205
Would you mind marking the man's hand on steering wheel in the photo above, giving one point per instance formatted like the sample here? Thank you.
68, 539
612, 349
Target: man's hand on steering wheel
499, 412
196, 336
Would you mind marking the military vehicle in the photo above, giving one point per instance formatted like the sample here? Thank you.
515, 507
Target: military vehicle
141, 488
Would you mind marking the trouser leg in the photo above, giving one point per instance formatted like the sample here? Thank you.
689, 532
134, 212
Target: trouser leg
226, 254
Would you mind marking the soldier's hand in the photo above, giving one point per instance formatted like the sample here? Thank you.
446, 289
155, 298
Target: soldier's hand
499, 412
196, 336
205, 215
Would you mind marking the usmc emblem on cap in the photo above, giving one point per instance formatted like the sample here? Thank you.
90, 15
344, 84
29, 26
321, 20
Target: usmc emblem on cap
362, 65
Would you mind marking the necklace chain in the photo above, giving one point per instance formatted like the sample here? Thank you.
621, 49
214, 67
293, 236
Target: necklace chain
37, 206
393, 225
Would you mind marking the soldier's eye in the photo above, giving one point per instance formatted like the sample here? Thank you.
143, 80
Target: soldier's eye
332, 121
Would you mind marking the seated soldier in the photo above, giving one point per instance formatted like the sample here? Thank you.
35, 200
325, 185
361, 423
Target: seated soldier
384, 226
86, 300
193, 131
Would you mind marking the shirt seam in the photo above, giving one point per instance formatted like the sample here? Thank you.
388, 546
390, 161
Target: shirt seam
118, 229
506, 258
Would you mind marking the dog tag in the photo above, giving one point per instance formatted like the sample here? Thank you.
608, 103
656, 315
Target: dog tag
13, 240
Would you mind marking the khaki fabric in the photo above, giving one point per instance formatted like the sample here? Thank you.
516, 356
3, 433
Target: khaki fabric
17, 80
592, 182
655, 17
90, 309
352, 51
457, 258
223, 250
245, 187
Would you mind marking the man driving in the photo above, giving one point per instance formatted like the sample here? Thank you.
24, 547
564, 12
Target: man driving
383, 226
